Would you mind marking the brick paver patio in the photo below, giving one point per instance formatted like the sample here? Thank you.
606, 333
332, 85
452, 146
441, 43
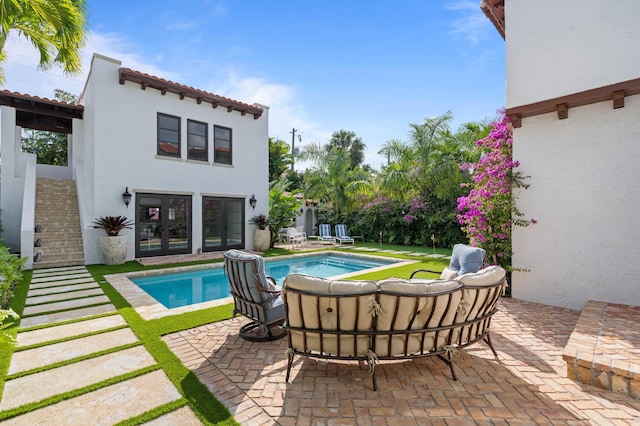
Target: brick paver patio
527, 385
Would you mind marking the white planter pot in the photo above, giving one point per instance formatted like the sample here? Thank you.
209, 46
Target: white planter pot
262, 240
114, 249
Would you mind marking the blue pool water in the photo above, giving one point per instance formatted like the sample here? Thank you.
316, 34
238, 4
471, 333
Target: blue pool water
187, 288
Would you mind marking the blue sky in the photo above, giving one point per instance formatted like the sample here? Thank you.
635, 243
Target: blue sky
370, 67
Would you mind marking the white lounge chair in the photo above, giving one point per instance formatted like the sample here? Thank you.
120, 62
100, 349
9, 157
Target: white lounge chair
325, 233
341, 235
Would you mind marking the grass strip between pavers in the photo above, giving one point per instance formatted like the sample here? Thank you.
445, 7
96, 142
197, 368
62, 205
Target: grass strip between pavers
17, 304
76, 392
154, 413
205, 406
72, 360
66, 339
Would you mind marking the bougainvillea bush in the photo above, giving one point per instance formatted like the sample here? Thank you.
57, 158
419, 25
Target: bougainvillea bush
489, 212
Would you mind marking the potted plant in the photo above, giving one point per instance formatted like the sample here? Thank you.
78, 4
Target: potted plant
114, 246
262, 236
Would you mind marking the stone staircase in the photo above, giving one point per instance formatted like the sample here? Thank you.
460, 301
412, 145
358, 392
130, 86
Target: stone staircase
58, 237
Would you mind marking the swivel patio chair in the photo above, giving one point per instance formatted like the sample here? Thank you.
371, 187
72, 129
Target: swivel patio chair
325, 233
341, 235
255, 295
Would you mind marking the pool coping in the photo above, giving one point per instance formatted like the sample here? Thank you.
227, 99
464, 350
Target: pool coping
149, 308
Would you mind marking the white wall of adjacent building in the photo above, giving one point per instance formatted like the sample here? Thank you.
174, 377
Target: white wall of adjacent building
120, 138
585, 178
556, 48
114, 146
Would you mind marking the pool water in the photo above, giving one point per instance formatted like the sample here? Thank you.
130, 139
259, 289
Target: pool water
187, 288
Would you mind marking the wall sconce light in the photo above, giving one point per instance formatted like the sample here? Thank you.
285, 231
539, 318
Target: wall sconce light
126, 197
301, 210
253, 201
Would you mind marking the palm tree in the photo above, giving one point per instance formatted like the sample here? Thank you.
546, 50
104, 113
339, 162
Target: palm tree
394, 178
55, 27
332, 179
348, 141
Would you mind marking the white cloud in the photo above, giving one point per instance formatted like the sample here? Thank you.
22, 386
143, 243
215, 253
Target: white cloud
22, 73
472, 25
285, 110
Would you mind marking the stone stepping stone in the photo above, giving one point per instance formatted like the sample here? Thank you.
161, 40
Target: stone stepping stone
67, 304
27, 338
417, 254
182, 416
64, 351
436, 255
38, 386
60, 271
63, 289
73, 314
63, 296
57, 283
110, 405
55, 280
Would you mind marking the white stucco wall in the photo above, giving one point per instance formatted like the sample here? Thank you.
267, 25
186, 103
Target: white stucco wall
585, 195
120, 133
555, 48
12, 179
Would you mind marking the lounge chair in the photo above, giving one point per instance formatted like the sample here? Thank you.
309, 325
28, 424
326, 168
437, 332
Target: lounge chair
341, 235
294, 237
255, 295
325, 233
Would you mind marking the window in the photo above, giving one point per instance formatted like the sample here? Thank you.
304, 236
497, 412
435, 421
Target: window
197, 141
168, 135
222, 145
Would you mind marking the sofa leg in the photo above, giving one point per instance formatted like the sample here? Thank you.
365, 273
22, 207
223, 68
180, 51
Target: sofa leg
448, 359
290, 354
487, 339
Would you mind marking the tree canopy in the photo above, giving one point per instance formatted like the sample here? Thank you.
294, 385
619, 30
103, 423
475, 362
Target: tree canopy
56, 28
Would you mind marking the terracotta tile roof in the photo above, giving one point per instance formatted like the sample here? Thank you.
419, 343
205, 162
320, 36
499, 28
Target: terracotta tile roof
146, 80
494, 10
16, 99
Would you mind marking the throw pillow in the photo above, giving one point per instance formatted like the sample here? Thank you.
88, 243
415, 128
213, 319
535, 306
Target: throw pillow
466, 259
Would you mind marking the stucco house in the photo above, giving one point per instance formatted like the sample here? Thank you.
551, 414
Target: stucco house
195, 164
572, 95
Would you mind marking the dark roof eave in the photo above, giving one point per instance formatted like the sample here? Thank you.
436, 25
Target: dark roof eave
164, 86
494, 10
42, 106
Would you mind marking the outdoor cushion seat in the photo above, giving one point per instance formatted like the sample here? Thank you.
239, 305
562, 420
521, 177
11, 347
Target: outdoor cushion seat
325, 233
341, 234
255, 295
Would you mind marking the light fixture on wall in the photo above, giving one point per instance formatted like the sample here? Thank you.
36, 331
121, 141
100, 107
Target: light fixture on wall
253, 201
126, 197
301, 210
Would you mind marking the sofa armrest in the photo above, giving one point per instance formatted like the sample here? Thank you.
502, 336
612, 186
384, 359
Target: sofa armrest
423, 270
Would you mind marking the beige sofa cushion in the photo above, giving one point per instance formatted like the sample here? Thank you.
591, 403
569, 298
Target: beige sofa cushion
330, 305
487, 276
415, 304
477, 300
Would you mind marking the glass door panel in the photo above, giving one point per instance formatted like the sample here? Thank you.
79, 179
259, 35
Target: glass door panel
235, 220
149, 225
222, 223
163, 224
178, 223
212, 223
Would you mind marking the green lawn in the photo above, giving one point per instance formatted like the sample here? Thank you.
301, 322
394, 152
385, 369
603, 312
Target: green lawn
150, 332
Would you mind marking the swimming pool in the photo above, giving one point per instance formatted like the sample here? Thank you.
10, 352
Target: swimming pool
195, 286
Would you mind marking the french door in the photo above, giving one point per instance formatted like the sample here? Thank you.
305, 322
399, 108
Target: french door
163, 224
222, 223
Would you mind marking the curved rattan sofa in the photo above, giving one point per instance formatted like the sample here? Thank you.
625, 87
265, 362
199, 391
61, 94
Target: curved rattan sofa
391, 319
